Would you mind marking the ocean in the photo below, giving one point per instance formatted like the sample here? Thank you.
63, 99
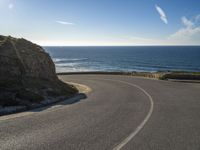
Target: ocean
128, 59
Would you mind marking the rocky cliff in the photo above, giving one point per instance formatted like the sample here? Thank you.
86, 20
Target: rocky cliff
27, 74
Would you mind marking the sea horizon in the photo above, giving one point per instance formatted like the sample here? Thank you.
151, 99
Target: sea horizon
125, 58
119, 46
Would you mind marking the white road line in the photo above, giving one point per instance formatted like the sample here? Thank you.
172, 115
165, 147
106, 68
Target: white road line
139, 128
142, 124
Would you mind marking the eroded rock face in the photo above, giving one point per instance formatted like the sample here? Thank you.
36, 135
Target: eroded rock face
26, 68
21, 57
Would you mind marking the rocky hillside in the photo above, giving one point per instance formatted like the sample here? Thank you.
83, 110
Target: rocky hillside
27, 74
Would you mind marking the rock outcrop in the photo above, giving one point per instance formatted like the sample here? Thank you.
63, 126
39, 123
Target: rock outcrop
27, 74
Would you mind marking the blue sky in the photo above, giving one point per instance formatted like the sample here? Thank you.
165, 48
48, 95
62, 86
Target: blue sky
102, 22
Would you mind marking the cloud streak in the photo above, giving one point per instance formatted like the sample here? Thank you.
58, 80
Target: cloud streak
64, 23
162, 14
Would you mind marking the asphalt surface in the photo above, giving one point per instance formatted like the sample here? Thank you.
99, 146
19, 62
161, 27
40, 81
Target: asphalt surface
121, 112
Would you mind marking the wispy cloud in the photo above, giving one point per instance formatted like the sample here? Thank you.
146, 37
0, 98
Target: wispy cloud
190, 32
10, 6
188, 23
162, 14
65, 23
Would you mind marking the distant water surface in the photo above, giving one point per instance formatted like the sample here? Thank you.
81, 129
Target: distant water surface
141, 58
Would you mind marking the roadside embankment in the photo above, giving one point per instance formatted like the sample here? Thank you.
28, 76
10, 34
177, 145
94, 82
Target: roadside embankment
27, 76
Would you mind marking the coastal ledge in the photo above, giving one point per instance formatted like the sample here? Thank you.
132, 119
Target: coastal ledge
169, 75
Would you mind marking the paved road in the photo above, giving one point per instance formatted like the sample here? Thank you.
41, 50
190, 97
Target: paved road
121, 112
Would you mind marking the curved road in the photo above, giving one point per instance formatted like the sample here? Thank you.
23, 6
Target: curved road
121, 112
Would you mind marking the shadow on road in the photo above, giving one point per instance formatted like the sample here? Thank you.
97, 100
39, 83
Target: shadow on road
42, 107
77, 98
